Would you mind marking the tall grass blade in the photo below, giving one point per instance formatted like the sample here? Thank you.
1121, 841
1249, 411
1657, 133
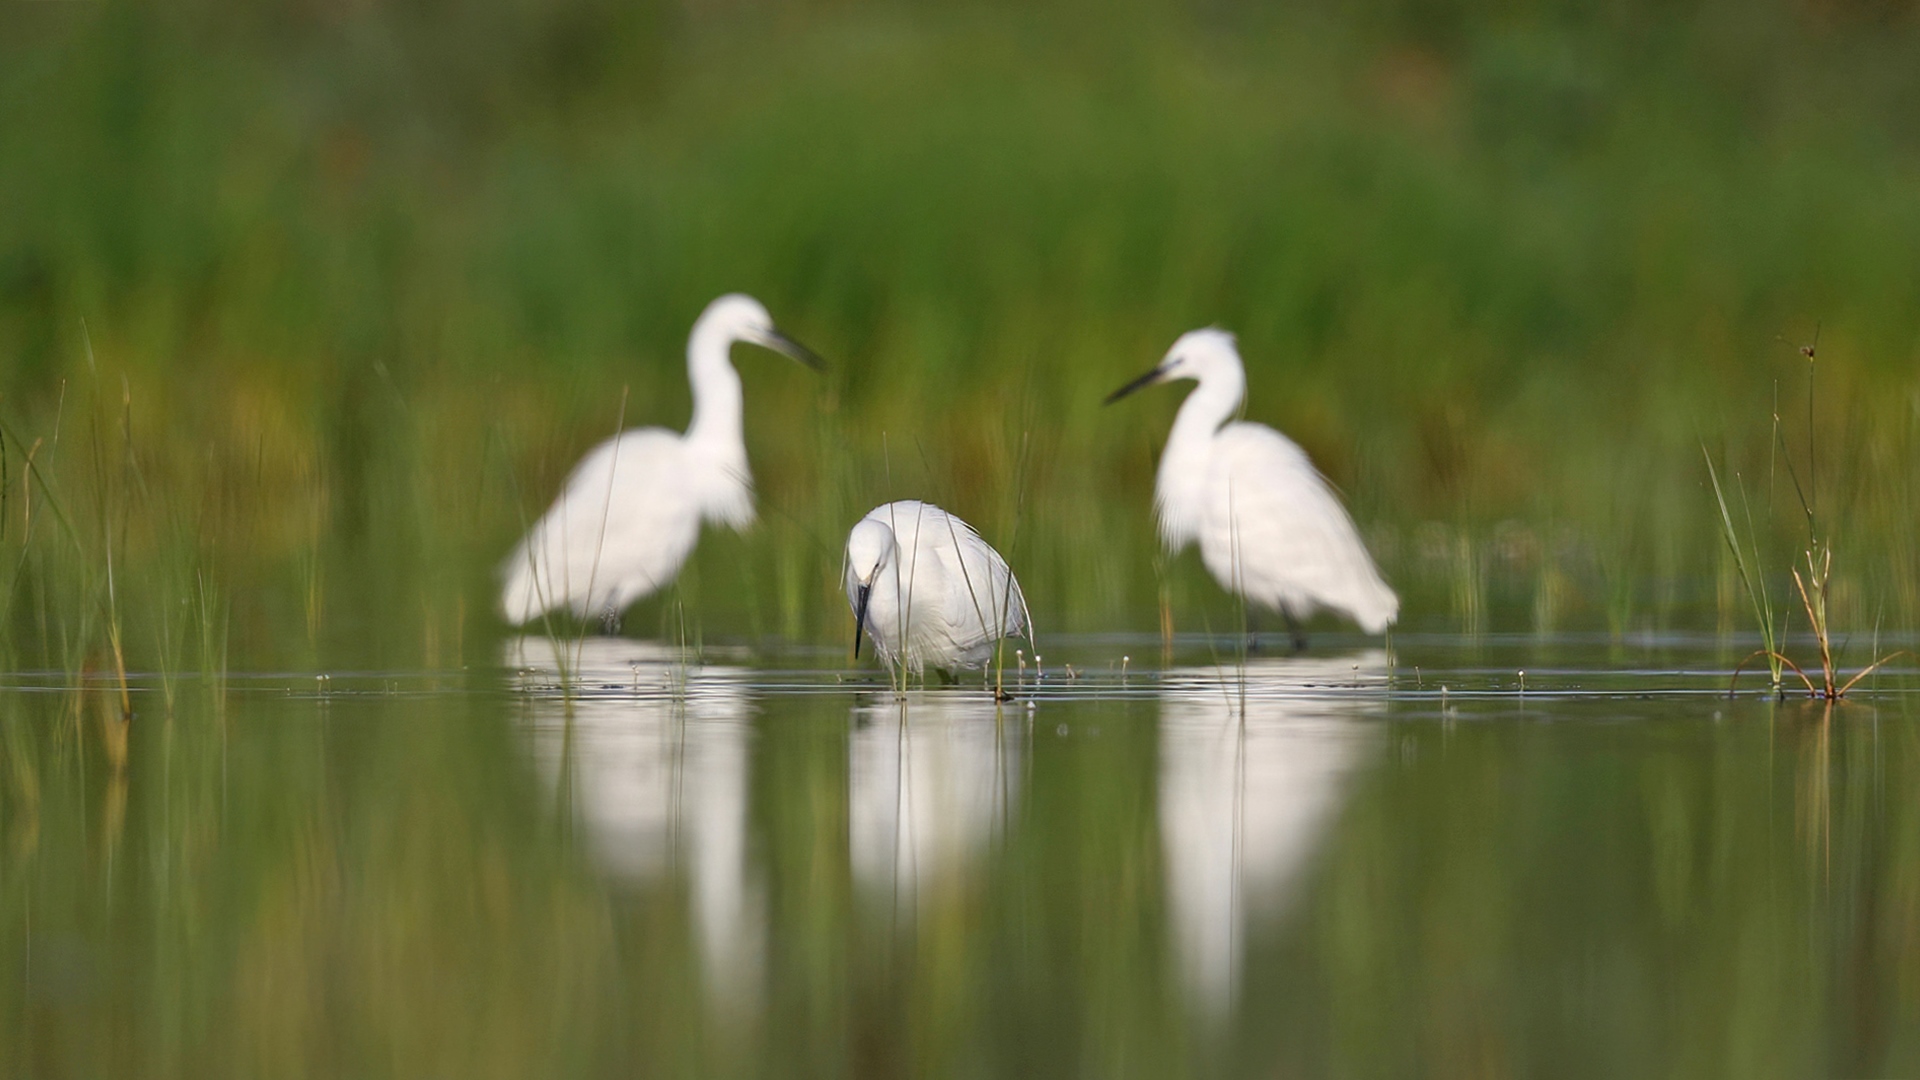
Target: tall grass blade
1762, 607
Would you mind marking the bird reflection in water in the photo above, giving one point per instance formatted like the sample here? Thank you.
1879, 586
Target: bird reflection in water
651, 761
1253, 761
935, 779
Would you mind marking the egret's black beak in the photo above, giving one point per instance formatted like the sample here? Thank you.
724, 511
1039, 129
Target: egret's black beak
860, 616
1148, 379
785, 345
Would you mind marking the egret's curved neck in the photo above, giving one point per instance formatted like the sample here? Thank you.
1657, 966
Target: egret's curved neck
1180, 488
716, 389
1211, 404
887, 582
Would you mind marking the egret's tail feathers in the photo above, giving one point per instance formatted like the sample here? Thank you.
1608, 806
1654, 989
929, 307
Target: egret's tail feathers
1026, 615
530, 589
521, 599
1378, 609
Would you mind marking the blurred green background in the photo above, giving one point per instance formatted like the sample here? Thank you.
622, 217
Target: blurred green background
305, 308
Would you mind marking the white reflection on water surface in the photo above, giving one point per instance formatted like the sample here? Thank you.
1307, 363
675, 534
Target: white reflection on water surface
1243, 805
934, 777
654, 766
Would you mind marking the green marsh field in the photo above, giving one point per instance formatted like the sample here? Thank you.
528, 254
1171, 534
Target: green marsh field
1604, 320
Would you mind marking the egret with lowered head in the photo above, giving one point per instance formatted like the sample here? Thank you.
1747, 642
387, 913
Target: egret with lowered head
1270, 527
928, 590
630, 514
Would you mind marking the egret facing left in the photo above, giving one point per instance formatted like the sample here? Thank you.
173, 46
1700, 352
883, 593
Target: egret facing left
928, 590
631, 511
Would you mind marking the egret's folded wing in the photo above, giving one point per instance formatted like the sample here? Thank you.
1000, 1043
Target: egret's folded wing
978, 574
1288, 531
617, 528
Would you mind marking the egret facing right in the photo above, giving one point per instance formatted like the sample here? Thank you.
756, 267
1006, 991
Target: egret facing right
1270, 528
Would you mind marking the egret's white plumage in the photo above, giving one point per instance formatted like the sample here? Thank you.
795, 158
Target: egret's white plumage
630, 514
928, 590
1269, 526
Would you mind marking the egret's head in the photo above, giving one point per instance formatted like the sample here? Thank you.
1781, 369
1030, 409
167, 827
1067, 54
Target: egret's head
870, 547
1195, 355
739, 317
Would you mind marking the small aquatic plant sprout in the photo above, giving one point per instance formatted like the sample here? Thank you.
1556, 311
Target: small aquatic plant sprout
929, 591
630, 513
1270, 528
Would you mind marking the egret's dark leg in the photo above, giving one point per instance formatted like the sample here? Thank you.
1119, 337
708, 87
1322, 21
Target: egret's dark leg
1299, 633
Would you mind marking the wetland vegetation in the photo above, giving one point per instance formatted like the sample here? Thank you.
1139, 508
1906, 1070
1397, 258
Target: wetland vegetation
315, 307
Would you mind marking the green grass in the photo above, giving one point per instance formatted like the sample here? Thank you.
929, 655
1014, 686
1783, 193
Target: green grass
1746, 560
361, 286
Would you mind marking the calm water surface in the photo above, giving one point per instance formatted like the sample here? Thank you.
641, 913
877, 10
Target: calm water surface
734, 864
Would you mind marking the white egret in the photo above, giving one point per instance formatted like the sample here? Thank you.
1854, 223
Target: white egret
1270, 527
928, 590
630, 514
